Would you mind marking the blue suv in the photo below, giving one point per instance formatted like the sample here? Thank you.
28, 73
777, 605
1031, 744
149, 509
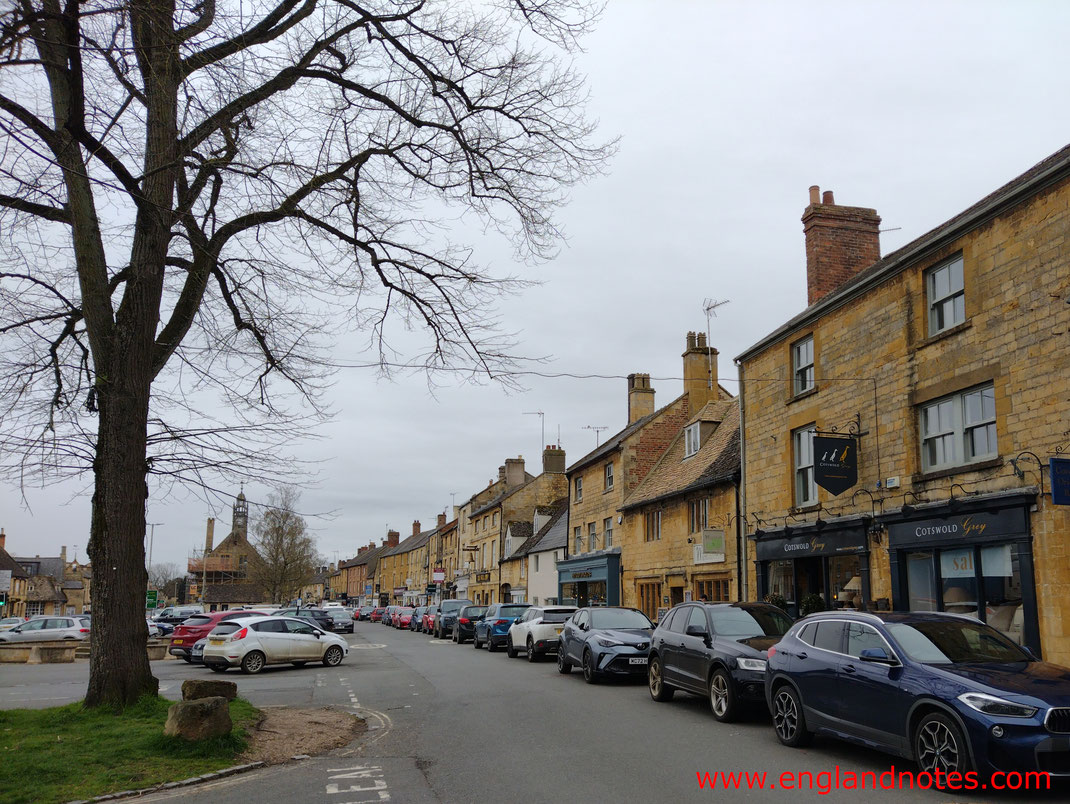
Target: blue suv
493, 629
946, 690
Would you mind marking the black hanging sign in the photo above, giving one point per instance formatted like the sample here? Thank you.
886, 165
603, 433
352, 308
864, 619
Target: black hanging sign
835, 462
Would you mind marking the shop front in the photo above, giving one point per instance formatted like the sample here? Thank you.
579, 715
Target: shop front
592, 579
830, 562
972, 556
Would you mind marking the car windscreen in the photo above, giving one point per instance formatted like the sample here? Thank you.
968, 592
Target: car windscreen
619, 618
225, 628
954, 642
512, 611
557, 616
198, 620
744, 623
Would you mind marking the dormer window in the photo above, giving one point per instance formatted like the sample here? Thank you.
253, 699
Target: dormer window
692, 440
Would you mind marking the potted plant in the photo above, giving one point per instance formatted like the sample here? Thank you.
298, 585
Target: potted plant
811, 603
779, 601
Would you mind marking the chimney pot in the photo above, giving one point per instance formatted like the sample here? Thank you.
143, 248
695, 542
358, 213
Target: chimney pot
700, 374
815, 194
553, 460
416, 527
826, 198
441, 520
840, 242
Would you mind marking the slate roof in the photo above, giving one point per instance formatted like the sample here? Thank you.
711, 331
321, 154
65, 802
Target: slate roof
233, 593
551, 536
8, 563
415, 541
36, 565
522, 531
1041, 175
717, 460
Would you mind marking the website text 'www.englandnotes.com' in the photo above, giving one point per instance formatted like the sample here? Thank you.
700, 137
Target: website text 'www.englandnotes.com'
824, 782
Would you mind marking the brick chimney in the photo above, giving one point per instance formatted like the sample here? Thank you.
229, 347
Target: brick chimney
361, 551
640, 397
840, 242
392, 537
3, 539
501, 475
553, 460
700, 372
63, 556
514, 472
209, 536
416, 527
441, 521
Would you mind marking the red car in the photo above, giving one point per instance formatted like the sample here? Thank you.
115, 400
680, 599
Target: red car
377, 614
427, 620
197, 627
403, 617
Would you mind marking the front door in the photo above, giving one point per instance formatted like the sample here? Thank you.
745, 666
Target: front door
861, 683
304, 644
275, 639
691, 659
676, 595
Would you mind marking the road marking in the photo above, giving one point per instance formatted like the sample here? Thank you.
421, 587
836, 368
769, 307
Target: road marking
370, 784
374, 646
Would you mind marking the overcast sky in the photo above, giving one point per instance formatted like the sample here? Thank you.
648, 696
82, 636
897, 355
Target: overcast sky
728, 112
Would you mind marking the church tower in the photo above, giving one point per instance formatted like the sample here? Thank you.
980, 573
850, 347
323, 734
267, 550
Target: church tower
240, 519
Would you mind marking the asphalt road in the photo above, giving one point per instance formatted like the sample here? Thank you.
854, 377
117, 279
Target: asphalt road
451, 724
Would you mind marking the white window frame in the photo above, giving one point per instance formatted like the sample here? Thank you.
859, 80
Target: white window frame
692, 439
802, 452
607, 531
949, 430
802, 365
945, 299
607, 476
592, 536
578, 485
577, 533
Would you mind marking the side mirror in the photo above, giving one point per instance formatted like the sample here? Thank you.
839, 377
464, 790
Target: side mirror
877, 655
318, 634
697, 631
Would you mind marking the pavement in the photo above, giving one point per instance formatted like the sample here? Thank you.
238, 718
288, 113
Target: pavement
448, 723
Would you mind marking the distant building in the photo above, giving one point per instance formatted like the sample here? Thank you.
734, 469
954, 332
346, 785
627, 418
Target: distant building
224, 575
55, 585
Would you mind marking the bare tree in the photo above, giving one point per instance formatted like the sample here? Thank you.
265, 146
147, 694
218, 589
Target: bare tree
197, 196
163, 573
288, 557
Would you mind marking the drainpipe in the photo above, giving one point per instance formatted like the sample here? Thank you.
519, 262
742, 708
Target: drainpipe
741, 497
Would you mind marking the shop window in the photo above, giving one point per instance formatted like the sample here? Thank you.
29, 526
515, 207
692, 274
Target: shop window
845, 580
802, 365
607, 531
715, 591
945, 293
803, 448
652, 526
782, 579
959, 429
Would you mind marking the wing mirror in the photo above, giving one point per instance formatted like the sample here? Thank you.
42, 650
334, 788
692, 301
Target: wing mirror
697, 631
877, 656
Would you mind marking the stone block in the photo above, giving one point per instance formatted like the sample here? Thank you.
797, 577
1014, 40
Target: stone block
199, 720
193, 689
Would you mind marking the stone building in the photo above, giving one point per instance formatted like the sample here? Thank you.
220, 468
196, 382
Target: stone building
223, 575
680, 535
404, 570
55, 585
360, 572
14, 597
943, 370
601, 480
533, 549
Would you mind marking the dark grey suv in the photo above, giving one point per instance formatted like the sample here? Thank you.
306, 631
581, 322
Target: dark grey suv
446, 617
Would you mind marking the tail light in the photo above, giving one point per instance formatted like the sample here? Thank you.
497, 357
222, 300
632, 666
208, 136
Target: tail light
465, 620
501, 622
83, 630
242, 634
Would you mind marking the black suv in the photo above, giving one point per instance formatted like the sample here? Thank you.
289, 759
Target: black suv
318, 617
446, 617
715, 649
466, 623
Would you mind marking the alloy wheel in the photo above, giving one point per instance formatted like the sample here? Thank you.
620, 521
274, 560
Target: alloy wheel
938, 747
719, 694
785, 715
333, 656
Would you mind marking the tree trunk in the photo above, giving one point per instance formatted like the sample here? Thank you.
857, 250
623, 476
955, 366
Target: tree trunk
119, 671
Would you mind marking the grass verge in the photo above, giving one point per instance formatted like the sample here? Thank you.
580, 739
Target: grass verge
67, 753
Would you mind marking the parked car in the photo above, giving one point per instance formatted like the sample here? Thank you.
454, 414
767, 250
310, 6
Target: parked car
427, 621
165, 629
403, 617
197, 627
417, 615
196, 653
376, 615
942, 689
716, 650
46, 627
363, 613
341, 620
493, 629
175, 615
446, 617
10, 622
318, 617
537, 632
467, 618
388, 615
253, 643
154, 630
605, 640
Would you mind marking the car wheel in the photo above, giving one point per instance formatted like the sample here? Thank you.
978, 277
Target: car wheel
475, 641
788, 718
590, 675
722, 696
564, 666
218, 668
510, 651
531, 651
333, 657
252, 663
939, 745
490, 644
655, 676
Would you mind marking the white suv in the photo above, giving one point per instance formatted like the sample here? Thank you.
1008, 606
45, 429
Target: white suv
45, 628
252, 643
538, 631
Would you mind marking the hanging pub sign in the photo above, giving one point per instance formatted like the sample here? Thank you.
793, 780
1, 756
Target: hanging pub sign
1060, 480
835, 462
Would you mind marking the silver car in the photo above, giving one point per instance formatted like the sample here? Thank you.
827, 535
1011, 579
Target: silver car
10, 622
46, 628
252, 644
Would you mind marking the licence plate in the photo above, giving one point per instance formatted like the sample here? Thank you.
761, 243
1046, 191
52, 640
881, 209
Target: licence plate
637, 660
216, 641
178, 642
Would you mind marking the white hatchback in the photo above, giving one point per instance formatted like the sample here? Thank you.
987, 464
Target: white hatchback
538, 631
253, 643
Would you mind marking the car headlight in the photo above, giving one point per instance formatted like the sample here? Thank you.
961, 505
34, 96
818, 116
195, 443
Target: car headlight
607, 642
758, 665
991, 705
